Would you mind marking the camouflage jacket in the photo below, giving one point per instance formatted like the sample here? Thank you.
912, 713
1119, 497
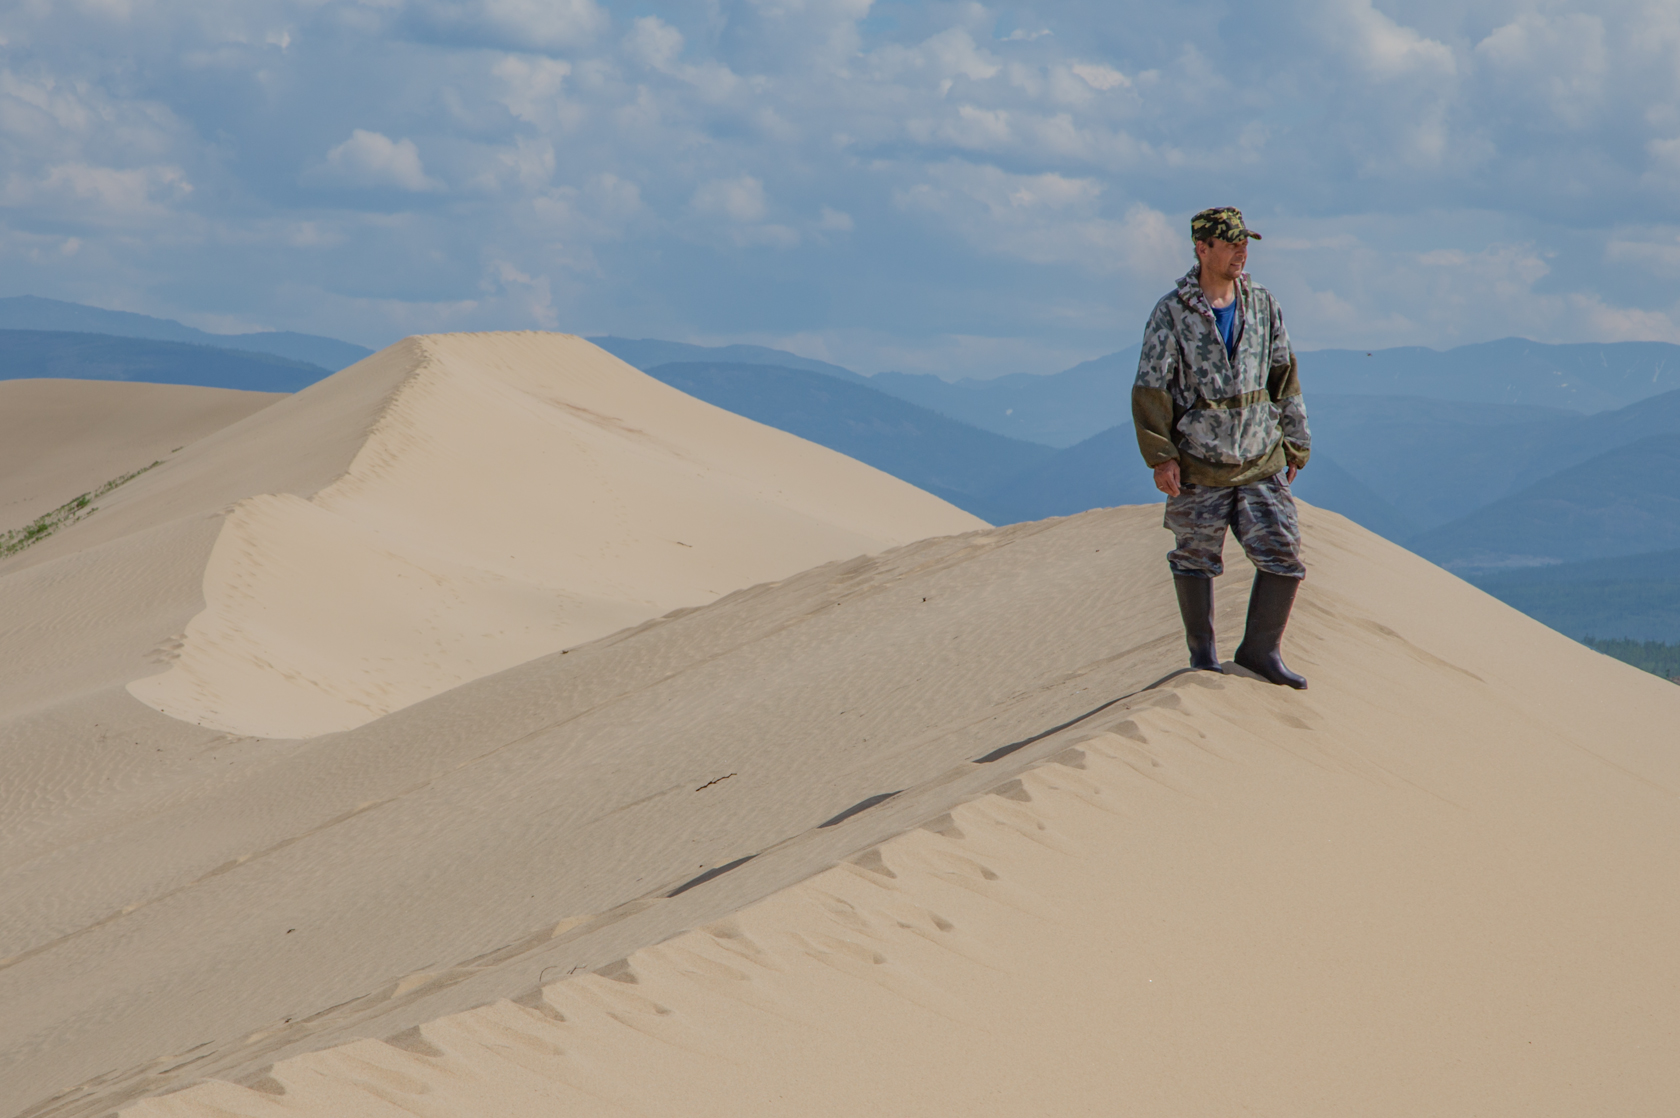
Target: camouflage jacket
1228, 420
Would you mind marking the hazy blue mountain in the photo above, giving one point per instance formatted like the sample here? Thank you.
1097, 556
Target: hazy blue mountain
1106, 469
1436, 461
329, 353
1581, 439
1588, 378
951, 459
1636, 597
29, 312
1621, 502
1067, 407
648, 353
1102, 471
28, 354
1325, 482
1059, 410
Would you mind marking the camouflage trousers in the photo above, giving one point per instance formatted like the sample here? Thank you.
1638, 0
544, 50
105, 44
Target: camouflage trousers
1262, 515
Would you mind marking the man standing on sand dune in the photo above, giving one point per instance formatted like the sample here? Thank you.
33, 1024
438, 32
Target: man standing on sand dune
1217, 405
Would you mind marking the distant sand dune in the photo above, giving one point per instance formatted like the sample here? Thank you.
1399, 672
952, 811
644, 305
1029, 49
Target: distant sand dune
501, 507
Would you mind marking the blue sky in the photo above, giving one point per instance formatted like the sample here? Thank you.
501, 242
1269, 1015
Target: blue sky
956, 188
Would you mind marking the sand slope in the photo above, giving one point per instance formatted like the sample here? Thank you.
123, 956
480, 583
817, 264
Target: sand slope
1436, 883
62, 438
446, 508
1163, 921
515, 495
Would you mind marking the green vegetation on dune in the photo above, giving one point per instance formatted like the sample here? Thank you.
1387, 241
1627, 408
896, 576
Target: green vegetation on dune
15, 540
1651, 656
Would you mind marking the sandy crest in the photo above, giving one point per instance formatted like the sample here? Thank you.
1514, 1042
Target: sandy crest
515, 495
1436, 883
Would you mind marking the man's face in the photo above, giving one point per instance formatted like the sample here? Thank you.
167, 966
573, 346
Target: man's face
1224, 260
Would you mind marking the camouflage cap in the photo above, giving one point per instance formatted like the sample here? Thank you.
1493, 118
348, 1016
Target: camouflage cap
1222, 222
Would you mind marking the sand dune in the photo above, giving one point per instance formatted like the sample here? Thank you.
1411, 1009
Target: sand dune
933, 830
1435, 883
516, 494
445, 509
62, 438
1204, 909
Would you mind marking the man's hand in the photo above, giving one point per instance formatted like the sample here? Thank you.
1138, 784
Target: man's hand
1290, 476
1166, 477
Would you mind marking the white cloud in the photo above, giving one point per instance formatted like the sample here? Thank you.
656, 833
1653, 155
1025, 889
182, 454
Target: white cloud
1100, 77
1624, 324
654, 43
533, 89
1561, 62
658, 46
532, 25
1386, 49
108, 196
741, 204
531, 293
970, 127
738, 199
1364, 283
1501, 269
944, 57
1047, 219
372, 160
548, 23
313, 234
953, 52
1655, 254
1665, 158
527, 163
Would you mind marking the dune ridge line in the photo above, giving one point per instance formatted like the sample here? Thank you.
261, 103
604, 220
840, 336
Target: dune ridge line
500, 507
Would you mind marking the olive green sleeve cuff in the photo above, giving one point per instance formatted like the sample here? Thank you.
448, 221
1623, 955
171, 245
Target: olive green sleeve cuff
1152, 415
1284, 381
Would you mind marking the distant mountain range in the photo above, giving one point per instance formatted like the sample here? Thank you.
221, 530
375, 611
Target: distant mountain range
648, 353
1588, 378
1438, 461
1059, 410
1507, 376
1631, 596
1507, 379
1493, 460
949, 459
1623, 501
1517, 464
27, 354
29, 312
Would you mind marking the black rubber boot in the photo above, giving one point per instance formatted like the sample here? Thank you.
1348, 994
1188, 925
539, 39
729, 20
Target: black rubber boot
1268, 612
1195, 605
